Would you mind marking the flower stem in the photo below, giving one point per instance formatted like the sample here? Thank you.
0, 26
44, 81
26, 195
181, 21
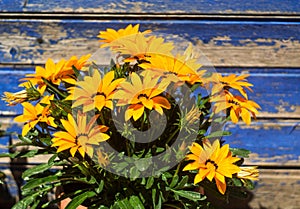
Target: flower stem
54, 88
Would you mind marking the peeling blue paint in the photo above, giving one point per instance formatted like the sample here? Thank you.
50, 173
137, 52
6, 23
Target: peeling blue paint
268, 141
233, 33
154, 6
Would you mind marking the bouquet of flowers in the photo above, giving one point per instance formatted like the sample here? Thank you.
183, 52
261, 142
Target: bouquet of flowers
144, 131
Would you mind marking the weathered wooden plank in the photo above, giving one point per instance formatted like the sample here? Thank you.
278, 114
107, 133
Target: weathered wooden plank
271, 142
229, 43
276, 90
277, 189
153, 6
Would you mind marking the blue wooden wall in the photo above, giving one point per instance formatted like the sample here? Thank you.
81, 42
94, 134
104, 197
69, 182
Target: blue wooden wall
259, 37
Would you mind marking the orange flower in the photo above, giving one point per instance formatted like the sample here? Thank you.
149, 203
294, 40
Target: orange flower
35, 114
67, 73
79, 135
174, 68
238, 106
94, 92
212, 162
55, 73
232, 81
111, 35
140, 94
51, 72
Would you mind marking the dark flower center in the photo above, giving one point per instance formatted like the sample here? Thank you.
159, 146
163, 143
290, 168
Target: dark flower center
143, 95
212, 162
99, 93
79, 135
233, 102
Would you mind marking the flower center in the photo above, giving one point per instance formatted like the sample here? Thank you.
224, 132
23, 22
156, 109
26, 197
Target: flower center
99, 93
170, 72
233, 102
81, 138
212, 162
143, 95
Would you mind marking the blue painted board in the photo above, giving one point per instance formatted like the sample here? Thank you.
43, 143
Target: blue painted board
154, 6
276, 90
230, 43
274, 142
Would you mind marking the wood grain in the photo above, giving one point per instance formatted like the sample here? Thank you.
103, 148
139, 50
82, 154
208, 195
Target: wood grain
225, 44
272, 143
153, 6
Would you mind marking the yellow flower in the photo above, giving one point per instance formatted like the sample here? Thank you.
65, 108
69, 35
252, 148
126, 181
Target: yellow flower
174, 68
55, 73
111, 35
212, 162
50, 73
35, 114
28, 94
141, 47
248, 172
232, 81
67, 72
15, 98
94, 92
238, 106
79, 135
140, 94
102, 158
138, 46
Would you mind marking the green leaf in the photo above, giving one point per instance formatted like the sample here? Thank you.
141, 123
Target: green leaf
174, 181
194, 87
100, 187
25, 202
25, 139
76, 201
158, 205
36, 204
182, 183
134, 173
41, 168
39, 181
237, 182
76, 71
150, 182
218, 134
191, 195
136, 202
240, 152
122, 204
36, 169
103, 207
52, 158
29, 153
10, 155
249, 184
